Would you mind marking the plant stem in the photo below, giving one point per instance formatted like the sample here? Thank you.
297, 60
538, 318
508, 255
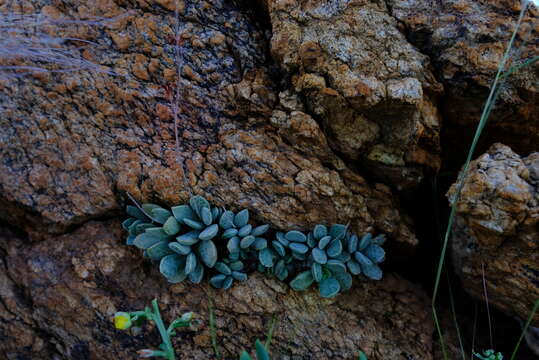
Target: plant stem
213, 334
270, 331
163, 331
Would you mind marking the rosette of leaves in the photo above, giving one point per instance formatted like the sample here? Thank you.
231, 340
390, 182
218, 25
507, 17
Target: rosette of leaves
242, 238
275, 258
325, 259
228, 271
365, 255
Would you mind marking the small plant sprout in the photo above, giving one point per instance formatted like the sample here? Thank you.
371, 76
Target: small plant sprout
124, 320
489, 355
261, 352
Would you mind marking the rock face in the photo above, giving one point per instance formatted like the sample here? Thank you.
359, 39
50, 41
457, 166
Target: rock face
497, 227
58, 296
466, 40
89, 138
371, 91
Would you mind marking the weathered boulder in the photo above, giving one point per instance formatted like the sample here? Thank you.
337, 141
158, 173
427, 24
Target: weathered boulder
72, 144
58, 295
496, 231
371, 91
466, 40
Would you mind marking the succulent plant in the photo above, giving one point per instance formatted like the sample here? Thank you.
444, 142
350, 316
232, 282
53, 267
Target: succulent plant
228, 271
242, 237
331, 256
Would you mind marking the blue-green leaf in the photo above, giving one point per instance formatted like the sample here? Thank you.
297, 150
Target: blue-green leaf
364, 242
209, 233
280, 237
334, 248
245, 230
296, 236
197, 203
227, 220
136, 212
242, 218
160, 215
320, 231
208, 253
179, 248
171, 266
261, 351
335, 266
354, 267
236, 266
233, 245
182, 212
324, 241
197, 275
265, 256
344, 279
197, 225
159, 250
372, 272
319, 256
206, 216
317, 273
247, 241
279, 248
189, 238
229, 233
329, 287
362, 259
227, 283
127, 223
190, 263
379, 240
130, 240
171, 226
352, 244
302, 281
260, 230
239, 276
260, 243
217, 280
298, 247
223, 268
375, 253
338, 231
146, 240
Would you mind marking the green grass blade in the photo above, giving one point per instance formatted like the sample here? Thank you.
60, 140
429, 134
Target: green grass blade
530, 318
269, 337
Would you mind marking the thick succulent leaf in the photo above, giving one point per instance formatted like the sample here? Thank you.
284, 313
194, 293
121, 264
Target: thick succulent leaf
209, 233
317, 273
296, 236
320, 231
193, 224
233, 245
335, 266
206, 216
160, 215
338, 231
247, 241
260, 230
236, 265
179, 248
261, 351
362, 259
182, 212
142, 227
375, 253
159, 250
190, 263
171, 266
216, 213
146, 240
344, 279
208, 253
217, 280
352, 244
223, 268
136, 212
197, 202
157, 232
265, 256
130, 240
234, 256
364, 242
198, 274
324, 241
282, 239
171, 226
344, 257
329, 287
282, 275
228, 233
148, 207
240, 276
298, 247
133, 228
242, 218
189, 238
334, 248
280, 266
227, 220
302, 281
279, 248
354, 267
311, 241
127, 223
227, 283
379, 240
319, 256
298, 256
372, 272
260, 243
245, 230
245, 356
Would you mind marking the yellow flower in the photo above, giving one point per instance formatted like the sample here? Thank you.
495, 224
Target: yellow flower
122, 320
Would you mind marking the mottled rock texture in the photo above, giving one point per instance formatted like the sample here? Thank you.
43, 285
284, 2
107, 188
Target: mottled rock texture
57, 296
88, 138
466, 40
372, 92
497, 228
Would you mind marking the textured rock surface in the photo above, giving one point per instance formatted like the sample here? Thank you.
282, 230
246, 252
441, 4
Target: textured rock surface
88, 138
57, 296
497, 226
466, 40
372, 92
